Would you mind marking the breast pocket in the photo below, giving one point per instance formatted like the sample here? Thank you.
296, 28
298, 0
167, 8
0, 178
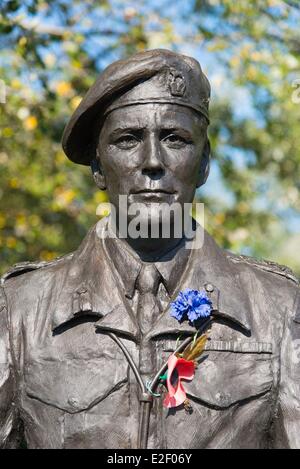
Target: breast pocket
74, 373
232, 372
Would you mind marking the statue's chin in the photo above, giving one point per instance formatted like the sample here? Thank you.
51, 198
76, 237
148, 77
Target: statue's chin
150, 220
155, 222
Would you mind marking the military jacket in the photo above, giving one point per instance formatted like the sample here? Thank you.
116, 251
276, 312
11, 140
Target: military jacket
66, 384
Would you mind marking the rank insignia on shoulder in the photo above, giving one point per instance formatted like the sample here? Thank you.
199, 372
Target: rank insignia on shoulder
29, 266
266, 265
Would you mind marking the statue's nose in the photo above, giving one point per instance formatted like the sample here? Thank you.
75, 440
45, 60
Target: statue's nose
153, 164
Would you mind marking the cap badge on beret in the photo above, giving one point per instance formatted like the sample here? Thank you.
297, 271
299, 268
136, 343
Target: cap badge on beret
176, 83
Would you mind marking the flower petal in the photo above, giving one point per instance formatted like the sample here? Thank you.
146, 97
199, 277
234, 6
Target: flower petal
186, 370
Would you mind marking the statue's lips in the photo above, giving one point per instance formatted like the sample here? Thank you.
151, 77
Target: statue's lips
151, 194
152, 191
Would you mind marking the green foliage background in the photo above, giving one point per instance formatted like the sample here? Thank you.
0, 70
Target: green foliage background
51, 53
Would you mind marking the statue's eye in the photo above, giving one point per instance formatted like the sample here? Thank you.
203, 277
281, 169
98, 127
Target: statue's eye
175, 140
127, 141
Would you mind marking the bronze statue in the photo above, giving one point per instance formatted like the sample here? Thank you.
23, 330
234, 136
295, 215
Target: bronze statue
86, 340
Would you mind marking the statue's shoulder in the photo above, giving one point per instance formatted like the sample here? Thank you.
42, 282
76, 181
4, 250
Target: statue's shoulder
26, 267
264, 265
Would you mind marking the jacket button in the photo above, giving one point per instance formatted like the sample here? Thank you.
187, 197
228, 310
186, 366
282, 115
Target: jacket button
209, 287
73, 401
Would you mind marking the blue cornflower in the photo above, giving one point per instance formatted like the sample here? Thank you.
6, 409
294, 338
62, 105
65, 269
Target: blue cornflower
191, 305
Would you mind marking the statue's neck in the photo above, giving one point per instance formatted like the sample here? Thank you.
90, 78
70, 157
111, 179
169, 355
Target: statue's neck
151, 249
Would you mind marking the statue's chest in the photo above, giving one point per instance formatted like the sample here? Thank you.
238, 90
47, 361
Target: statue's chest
79, 387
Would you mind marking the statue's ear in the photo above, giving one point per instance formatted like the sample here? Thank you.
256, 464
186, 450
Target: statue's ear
98, 173
204, 166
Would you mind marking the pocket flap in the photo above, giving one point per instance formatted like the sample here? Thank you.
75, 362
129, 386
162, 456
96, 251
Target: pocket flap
225, 378
73, 385
75, 375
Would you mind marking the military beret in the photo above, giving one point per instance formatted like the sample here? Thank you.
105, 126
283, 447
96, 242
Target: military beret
155, 76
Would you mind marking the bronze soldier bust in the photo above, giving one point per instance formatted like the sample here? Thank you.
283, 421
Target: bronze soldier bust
83, 338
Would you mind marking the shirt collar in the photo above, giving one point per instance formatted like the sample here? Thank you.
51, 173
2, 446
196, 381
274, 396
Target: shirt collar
88, 281
128, 264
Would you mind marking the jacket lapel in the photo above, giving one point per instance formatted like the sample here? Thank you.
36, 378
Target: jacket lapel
209, 269
90, 287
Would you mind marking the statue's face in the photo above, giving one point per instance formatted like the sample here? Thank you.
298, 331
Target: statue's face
152, 153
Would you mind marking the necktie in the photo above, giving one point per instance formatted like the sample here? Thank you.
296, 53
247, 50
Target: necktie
148, 307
